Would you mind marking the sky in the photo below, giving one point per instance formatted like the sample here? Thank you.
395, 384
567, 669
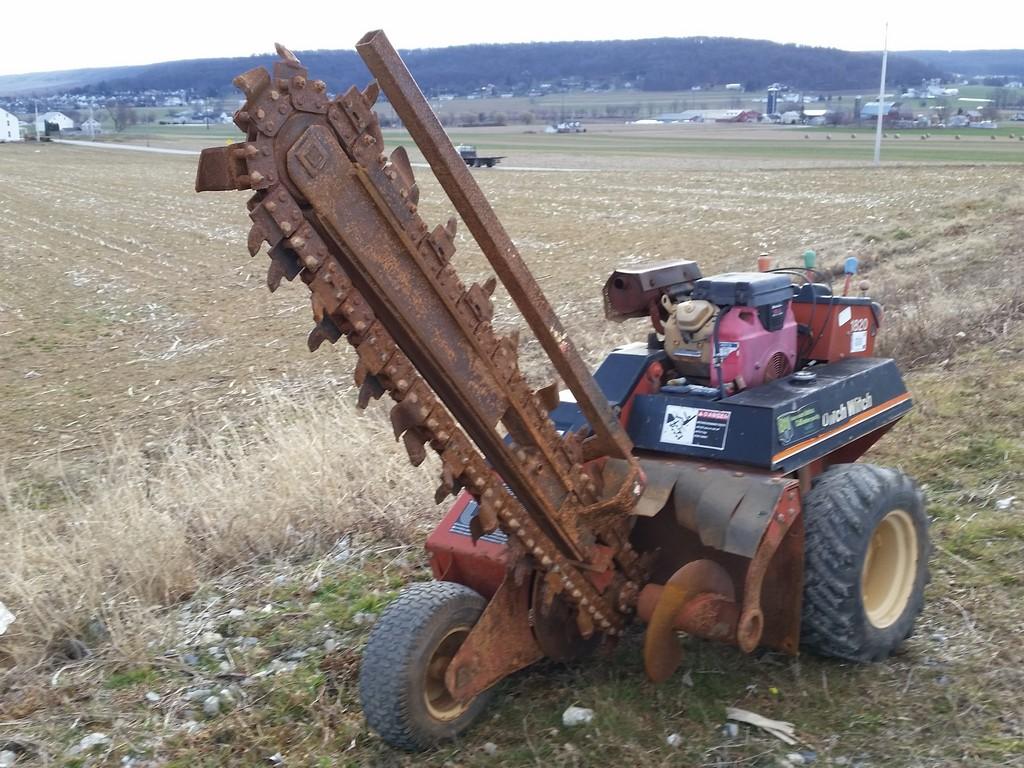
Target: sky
57, 35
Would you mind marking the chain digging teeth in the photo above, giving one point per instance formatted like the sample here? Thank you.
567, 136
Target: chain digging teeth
418, 418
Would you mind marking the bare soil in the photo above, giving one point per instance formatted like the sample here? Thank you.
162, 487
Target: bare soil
129, 300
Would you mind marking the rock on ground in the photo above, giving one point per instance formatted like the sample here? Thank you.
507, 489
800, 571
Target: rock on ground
577, 716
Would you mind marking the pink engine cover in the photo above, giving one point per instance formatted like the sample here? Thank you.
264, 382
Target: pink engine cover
753, 348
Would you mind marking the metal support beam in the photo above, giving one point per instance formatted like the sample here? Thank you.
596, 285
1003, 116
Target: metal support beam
450, 169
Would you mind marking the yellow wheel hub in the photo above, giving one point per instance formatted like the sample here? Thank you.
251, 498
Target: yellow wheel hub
440, 703
890, 569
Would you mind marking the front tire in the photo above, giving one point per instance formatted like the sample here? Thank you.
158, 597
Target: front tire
865, 562
401, 683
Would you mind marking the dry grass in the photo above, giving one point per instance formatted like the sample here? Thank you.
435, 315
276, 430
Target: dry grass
149, 528
956, 284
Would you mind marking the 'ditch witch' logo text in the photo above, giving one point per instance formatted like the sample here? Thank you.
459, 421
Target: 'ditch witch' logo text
850, 408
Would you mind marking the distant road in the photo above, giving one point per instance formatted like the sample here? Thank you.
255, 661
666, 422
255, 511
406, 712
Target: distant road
192, 152
130, 147
163, 151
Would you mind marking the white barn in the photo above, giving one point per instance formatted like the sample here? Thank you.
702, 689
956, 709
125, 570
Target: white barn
63, 122
9, 128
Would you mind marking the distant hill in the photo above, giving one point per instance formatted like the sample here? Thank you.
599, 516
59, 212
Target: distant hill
64, 80
974, 63
656, 64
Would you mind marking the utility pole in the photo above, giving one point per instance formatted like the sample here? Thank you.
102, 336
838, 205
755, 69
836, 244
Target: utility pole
881, 98
37, 121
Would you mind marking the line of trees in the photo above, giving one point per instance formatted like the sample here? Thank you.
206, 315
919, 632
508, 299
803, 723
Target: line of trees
651, 65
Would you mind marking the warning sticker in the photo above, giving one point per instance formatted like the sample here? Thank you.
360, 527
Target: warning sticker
858, 341
726, 348
698, 427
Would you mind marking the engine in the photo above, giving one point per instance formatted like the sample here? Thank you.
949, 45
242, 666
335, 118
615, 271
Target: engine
736, 329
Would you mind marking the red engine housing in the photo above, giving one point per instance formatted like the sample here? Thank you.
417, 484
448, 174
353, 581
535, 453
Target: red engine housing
753, 354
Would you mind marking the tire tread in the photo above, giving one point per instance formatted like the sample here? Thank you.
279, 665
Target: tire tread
838, 512
392, 650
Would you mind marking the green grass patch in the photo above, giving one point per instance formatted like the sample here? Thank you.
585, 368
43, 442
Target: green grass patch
754, 142
988, 454
130, 678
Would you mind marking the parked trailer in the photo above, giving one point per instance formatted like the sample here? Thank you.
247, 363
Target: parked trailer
468, 153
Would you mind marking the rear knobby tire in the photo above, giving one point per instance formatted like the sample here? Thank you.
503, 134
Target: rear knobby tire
865, 562
401, 683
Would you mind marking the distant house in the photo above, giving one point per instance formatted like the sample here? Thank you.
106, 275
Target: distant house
9, 128
891, 110
62, 121
689, 116
91, 127
739, 116
711, 115
790, 118
818, 116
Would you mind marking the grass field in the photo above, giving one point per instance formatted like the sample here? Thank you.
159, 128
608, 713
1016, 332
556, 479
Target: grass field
175, 463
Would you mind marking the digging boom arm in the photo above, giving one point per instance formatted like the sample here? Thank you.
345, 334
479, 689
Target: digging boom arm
342, 216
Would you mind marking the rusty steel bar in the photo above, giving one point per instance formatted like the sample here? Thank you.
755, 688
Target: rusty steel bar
451, 171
